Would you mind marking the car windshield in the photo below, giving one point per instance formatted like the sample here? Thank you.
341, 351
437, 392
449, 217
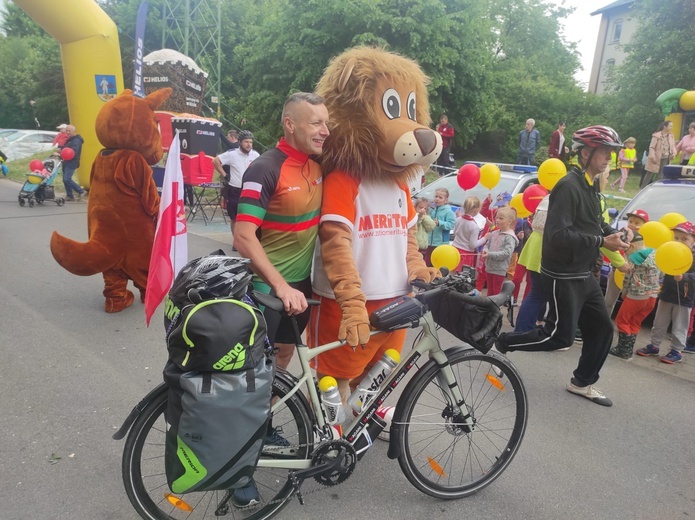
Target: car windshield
660, 199
4, 134
458, 195
13, 137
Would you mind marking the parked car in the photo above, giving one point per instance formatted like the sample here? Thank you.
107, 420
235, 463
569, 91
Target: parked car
5, 132
514, 179
24, 143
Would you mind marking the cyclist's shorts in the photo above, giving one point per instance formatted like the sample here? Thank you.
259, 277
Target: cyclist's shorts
280, 326
344, 362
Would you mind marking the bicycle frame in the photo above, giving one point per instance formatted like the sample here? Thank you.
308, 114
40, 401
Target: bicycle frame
427, 343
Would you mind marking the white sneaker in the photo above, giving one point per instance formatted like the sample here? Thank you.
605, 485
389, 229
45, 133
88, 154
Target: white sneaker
590, 392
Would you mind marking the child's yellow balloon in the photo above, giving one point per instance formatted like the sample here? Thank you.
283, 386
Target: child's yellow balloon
490, 175
447, 256
550, 171
655, 233
517, 203
618, 278
673, 258
671, 220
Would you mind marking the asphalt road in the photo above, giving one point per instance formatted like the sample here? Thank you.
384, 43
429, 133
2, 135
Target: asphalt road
71, 373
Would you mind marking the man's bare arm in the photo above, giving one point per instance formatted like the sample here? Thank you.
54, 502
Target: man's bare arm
246, 242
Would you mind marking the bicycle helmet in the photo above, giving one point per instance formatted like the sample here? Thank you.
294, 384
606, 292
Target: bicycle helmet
213, 276
596, 136
245, 134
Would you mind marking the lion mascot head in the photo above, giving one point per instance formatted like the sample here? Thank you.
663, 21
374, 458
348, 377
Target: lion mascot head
377, 102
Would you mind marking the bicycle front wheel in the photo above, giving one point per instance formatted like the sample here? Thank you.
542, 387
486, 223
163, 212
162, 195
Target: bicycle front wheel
439, 454
145, 480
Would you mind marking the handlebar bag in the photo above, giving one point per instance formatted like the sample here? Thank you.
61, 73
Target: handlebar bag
464, 319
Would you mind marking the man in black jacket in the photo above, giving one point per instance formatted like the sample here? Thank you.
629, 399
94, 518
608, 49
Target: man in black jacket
573, 233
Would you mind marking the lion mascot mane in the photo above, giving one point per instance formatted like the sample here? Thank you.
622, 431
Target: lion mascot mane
379, 112
123, 200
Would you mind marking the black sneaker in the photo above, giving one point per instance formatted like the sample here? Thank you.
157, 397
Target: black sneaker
274, 438
500, 345
246, 496
578, 336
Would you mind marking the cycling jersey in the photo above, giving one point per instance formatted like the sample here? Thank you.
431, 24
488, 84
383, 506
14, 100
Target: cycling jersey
281, 194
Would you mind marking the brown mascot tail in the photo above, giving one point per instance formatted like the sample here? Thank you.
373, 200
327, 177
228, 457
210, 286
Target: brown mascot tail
103, 251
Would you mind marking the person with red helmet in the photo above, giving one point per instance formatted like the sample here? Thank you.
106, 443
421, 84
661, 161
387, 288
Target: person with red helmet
573, 234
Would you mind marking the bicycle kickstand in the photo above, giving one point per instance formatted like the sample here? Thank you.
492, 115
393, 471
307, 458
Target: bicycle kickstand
297, 484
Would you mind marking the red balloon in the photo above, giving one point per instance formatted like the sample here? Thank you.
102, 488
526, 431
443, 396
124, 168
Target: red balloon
67, 153
36, 165
468, 176
533, 195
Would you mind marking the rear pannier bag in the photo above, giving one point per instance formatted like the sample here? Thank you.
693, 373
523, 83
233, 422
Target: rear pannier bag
220, 387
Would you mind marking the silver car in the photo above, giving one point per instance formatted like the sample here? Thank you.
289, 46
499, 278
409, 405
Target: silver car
24, 143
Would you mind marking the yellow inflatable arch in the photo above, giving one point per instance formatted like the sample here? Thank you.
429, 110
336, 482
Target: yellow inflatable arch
91, 63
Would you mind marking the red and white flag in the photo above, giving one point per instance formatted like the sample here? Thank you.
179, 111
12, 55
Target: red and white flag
170, 247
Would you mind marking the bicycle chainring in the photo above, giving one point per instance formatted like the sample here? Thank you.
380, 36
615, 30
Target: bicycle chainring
328, 452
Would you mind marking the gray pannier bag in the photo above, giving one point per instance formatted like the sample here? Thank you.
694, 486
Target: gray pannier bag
219, 377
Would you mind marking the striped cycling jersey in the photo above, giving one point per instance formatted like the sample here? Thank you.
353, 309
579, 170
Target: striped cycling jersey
281, 194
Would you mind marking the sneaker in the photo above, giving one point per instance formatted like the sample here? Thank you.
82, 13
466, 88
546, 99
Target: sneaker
672, 357
590, 392
274, 438
563, 349
578, 336
690, 349
83, 195
501, 346
69, 199
649, 350
246, 496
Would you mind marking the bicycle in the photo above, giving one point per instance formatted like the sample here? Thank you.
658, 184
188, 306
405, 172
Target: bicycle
456, 427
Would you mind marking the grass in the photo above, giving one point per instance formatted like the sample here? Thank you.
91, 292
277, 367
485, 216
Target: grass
18, 169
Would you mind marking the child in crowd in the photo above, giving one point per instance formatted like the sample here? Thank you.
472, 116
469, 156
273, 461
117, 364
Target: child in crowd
489, 211
675, 303
498, 251
467, 233
425, 224
444, 219
635, 221
627, 158
640, 290
517, 272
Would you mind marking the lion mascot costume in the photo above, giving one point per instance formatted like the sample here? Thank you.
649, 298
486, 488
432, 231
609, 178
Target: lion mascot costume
379, 112
123, 200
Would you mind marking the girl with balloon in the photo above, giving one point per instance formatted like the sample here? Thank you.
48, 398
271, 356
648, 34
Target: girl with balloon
677, 296
467, 237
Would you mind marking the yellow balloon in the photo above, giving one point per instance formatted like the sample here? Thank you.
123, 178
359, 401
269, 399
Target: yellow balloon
550, 171
517, 203
673, 258
447, 256
655, 233
490, 175
671, 220
618, 278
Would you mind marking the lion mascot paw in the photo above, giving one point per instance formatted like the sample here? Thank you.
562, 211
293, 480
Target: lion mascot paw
123, 200
380, 138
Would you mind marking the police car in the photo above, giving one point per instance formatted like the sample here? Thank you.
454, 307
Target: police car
674, 193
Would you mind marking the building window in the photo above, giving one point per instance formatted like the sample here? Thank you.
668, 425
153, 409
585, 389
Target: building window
617, 29
610, 63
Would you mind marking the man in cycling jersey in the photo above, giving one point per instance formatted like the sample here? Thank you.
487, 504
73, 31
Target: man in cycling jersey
278, 216
573, 234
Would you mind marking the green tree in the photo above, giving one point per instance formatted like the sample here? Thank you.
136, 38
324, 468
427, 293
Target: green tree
661, 56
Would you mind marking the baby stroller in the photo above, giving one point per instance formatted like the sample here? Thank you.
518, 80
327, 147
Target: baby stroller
39, 184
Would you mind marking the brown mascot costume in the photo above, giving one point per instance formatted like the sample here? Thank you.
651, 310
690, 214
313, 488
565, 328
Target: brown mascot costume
123, 200
377, 102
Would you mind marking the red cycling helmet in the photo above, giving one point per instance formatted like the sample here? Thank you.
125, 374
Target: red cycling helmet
596, 136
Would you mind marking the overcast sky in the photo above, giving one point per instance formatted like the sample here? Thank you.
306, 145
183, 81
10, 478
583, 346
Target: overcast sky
582, 28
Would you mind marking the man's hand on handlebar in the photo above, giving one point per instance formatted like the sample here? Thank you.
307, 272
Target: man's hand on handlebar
293, 299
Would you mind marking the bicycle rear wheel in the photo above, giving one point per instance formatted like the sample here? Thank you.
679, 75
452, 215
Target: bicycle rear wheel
438, 456
145, 480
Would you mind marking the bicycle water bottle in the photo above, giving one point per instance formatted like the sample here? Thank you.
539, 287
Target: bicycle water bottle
332, 401
369, 385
